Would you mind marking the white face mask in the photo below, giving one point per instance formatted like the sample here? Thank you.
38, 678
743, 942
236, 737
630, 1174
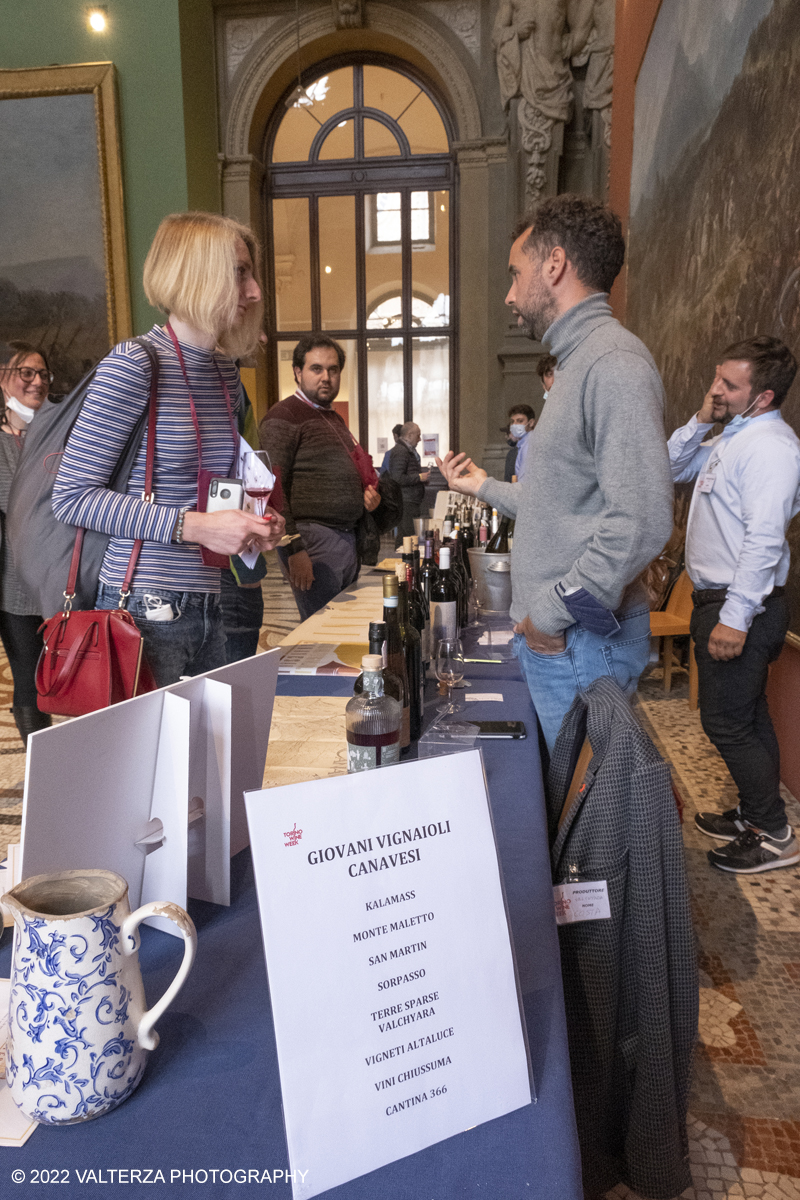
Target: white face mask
20, 409
517, 431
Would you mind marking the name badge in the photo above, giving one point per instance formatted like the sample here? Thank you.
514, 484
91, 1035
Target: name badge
705, 481
581, 902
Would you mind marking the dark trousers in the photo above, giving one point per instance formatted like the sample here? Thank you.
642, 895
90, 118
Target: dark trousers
242, 617
333, 553
23, 645
411, 509
734, 712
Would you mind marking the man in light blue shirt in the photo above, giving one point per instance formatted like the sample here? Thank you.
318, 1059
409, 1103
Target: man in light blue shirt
521, 423
737, 556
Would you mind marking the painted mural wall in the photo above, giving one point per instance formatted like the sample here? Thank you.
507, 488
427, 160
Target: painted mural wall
714, 251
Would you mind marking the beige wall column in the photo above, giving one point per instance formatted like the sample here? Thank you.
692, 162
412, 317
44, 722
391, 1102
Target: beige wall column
242, 178
477, 365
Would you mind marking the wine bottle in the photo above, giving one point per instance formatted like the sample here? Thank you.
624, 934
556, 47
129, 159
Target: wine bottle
459, 555
495, 521
418, 608
429, 572
395, 657
499, 543
444, 602
377, 645
412, 648
372, 721
458, 575
464, 541
477, 514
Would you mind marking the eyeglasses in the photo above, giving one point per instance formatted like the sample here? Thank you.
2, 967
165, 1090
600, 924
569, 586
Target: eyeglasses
28, 374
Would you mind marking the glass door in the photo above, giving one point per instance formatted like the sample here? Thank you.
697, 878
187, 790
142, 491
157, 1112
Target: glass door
363, 253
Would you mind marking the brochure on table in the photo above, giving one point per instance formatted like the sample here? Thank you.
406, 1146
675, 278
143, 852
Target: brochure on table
153, 788
391, 975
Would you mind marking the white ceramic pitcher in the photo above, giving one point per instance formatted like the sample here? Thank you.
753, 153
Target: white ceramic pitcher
79, 1031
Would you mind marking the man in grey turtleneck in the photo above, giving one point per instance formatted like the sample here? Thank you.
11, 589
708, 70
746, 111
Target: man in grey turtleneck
595, 506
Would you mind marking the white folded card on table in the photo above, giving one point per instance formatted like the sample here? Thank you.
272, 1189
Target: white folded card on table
153, 788
496, 637
391, 975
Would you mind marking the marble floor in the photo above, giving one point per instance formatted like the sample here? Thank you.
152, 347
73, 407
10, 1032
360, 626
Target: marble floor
744, 1123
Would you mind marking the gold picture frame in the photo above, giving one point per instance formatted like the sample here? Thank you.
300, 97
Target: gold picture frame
99, 81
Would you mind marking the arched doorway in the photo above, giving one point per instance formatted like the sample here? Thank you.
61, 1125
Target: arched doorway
360, 216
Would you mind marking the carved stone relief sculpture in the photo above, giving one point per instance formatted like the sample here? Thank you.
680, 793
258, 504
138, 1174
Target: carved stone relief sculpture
348, 14
534, 42
530, 40
592, 23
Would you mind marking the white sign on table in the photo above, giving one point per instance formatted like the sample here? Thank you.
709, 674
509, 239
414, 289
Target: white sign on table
391, 974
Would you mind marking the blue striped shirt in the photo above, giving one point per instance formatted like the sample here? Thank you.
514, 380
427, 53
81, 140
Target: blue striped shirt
115, 401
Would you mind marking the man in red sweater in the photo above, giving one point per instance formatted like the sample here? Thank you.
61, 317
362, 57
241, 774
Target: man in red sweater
323, 493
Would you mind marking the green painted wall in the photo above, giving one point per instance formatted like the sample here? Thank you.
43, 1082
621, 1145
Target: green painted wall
200, 104
167, 115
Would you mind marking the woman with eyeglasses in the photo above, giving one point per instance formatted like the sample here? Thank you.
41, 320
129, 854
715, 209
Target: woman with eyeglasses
24, 382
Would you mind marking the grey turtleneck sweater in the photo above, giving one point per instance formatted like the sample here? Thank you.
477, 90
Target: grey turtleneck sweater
595, 506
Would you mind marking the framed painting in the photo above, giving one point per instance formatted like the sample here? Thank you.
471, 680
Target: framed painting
63, 255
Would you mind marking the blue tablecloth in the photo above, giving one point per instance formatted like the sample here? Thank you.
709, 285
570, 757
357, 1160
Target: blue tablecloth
508, 668
210, 1098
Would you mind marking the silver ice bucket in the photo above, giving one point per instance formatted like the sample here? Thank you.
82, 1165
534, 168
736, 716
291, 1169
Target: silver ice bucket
492, 574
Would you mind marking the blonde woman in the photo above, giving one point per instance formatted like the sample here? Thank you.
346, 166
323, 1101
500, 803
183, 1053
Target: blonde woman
200, 271
24, 383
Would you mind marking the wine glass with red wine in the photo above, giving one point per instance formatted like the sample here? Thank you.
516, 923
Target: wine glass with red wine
255, 487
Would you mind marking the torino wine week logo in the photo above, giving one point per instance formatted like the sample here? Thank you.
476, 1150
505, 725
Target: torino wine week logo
294, 835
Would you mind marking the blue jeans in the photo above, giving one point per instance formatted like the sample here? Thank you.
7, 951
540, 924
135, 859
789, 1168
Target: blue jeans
554, 680
335, 561
192, 643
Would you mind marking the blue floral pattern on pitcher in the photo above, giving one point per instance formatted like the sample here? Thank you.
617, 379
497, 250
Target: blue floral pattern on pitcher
79, 1034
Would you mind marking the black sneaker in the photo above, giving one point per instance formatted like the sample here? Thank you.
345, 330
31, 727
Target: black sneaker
753, 851
723, 826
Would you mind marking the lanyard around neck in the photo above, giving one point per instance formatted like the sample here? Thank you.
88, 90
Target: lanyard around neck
195, 422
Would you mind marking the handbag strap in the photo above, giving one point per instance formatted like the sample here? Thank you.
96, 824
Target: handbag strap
335, 424
147, 496
61, 680
193, 410
354, 450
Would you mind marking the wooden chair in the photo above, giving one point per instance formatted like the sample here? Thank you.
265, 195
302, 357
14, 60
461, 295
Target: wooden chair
673, 622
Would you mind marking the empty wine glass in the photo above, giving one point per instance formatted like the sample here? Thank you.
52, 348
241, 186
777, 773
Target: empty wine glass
448, 665
256, 485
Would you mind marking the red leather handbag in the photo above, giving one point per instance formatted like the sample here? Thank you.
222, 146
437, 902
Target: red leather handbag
94, 658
